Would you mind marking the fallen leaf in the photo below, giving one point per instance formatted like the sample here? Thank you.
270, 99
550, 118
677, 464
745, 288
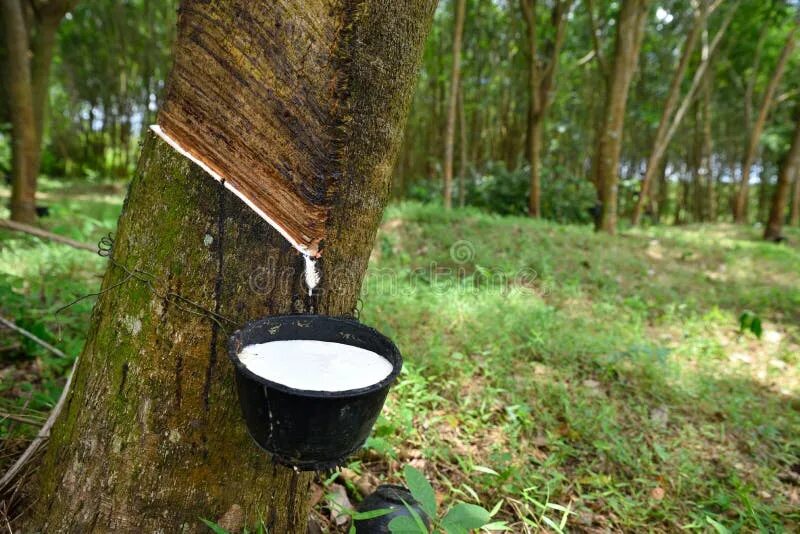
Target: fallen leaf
339, 504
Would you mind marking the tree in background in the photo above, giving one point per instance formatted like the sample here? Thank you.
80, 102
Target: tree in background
630, 32
794, 217
670, 119
114, 56
30, 31
452, 106
780, 198
541, 76
151, 437
754, 138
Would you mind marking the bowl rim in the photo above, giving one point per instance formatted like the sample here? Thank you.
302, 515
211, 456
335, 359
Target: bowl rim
394, 357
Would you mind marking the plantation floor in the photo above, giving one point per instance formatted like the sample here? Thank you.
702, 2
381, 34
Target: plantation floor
585, 382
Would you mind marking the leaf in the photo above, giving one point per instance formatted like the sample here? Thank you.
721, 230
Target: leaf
415, 515
215, 528
372, 514
496, 508
497, 526
487, 470
750, 321
404, 524
719, 527
421, 490
466, 516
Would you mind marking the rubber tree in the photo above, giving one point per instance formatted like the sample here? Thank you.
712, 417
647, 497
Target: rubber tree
541, 79
754, 139
30, 32
780, 198
151, 438
794, 214
661, 141
608, 142
452, 102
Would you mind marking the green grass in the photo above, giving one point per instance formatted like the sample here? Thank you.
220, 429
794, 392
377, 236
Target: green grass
613, 381
565, 373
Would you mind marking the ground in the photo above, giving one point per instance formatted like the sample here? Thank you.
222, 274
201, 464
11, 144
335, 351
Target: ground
599, 380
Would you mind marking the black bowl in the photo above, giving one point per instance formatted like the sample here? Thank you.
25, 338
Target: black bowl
310, 430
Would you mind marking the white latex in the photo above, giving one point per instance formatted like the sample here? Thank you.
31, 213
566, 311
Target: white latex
315, 365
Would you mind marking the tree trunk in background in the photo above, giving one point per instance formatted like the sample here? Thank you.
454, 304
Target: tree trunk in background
709, 212
764, 190
462, 168
659, 144
540, 88
151, 437
670, 118
789, 169
48, 18
30, 58
740, 202
23, 124
662, 202
630, 32
794, 218
455, 82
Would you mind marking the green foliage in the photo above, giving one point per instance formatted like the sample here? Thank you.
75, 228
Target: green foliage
421, 489
609, 379
751, 322
260, 528
459, 519
565, 198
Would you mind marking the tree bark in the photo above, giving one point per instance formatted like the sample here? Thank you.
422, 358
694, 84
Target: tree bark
794, 218
23, 172
789, 169
541, 79
455, 82
48, 18
463, 148
740, 203
30, 57
630, 33
706, 151
151, 438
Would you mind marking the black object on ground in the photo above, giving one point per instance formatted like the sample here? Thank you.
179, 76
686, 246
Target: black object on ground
387, 496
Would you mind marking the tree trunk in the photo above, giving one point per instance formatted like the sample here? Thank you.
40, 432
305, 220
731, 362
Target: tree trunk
540, 85
740, 203
151, 438
794, 218
706, 151
24, 159
671, 119
462, 129
535, 149
630, 32
789, 169
31, 55
49, 18
455, 82
659, 146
